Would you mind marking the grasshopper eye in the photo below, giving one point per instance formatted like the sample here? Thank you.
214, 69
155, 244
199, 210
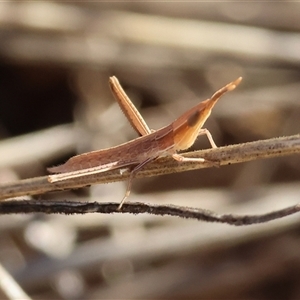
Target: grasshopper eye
193, 118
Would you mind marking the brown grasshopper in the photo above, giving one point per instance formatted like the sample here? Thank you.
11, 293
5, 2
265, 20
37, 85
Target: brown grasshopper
179, 135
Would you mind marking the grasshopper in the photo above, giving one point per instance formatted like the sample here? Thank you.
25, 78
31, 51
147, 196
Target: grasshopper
169, 140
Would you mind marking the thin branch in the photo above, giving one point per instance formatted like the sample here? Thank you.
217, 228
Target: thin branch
10, 287
76, 207
223, 156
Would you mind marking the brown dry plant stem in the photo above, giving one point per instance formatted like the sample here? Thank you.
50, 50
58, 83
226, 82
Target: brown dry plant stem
76, 207
223, 156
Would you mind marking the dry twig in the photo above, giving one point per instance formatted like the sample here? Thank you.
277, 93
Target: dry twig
224, 155
75, 207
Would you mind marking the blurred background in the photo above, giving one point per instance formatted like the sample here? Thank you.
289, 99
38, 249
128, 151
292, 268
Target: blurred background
55, 61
